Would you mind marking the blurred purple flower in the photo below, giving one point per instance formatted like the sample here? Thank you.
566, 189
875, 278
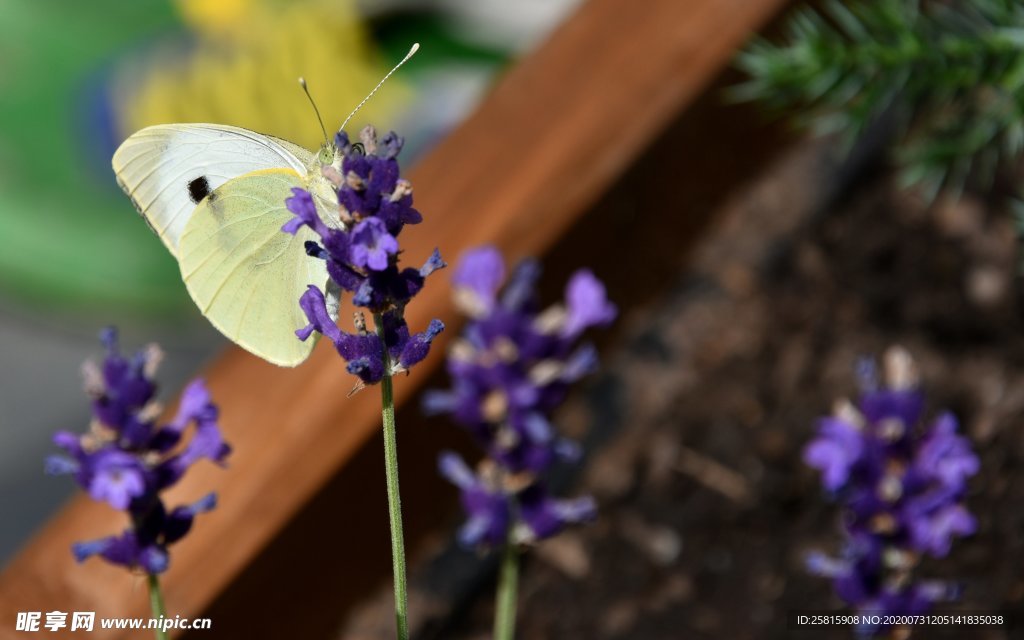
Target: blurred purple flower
491, 497
510, 369
127, 460
838, 447
902, 482
477, 279
144, 545
588, 304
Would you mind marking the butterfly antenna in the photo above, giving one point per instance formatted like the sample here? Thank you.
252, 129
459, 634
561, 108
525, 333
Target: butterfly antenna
302, 83
359, 106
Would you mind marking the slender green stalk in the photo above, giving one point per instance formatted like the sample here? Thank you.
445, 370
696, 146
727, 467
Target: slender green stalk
394, 498
156, 604
508, 586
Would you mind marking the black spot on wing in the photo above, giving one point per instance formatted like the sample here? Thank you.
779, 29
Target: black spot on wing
198, 189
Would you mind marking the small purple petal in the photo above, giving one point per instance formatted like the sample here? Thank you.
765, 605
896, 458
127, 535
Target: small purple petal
588, 304
301, 204
934, 533
85, 550
108, 338
519, 291
433, 263
577, 510
478, 275
69, 442
452, 467
116, 478
545, 516
314, 306
538, 429
59, 465
834, 452
437, 402
945, 456
372, 245
822, 565
475, 531
154, 560
179, 521
582, 362
568, 450
195, 405
390, 145
418, 346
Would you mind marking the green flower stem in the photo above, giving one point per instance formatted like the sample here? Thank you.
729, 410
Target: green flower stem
508, 585
156, 604
394, 498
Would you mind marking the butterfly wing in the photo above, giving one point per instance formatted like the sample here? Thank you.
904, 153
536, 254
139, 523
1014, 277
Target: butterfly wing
247, 275
167, 170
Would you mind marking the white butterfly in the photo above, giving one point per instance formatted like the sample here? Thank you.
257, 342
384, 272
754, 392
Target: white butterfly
215, 195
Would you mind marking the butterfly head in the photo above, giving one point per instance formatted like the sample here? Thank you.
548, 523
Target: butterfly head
328, 154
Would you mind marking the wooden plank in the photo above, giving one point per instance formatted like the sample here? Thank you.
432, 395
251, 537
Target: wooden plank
546, 143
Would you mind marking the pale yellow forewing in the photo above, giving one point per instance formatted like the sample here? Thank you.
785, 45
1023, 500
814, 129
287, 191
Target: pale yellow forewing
166, 170
244, 273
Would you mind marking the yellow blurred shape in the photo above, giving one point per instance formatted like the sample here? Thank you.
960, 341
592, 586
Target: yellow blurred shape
216, 15
245, 66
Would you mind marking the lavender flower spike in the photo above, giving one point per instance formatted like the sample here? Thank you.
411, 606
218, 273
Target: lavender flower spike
361, 250
127, 460
510, 369
901, 482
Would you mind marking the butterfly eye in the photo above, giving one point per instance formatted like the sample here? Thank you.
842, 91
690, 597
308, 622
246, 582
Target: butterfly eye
325, 156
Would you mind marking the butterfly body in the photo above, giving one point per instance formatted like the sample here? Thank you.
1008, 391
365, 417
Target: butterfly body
215, 195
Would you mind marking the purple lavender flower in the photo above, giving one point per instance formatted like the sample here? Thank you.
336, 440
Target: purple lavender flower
491, 497
902, 482
127, 460
510, 369
587, 304
836, 450
372, 245
361, 249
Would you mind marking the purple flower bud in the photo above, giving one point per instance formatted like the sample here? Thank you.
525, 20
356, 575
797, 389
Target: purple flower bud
372, 245
417, 346
433, 263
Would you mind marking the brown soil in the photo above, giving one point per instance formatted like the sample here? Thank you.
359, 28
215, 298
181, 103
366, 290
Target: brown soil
712, 390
